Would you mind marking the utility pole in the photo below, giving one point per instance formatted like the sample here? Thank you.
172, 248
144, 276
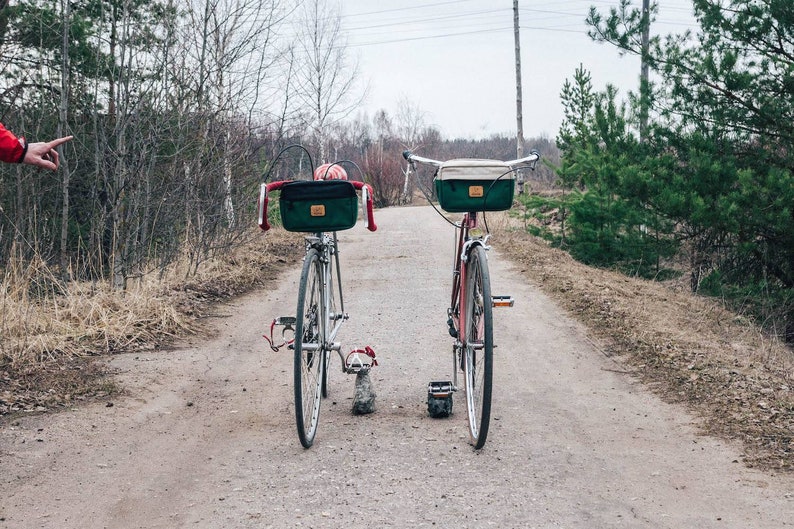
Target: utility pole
645, 87
519, 105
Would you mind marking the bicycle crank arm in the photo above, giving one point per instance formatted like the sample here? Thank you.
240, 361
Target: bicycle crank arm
502, 301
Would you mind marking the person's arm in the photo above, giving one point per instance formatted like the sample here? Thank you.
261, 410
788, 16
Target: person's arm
40, 154
12, 149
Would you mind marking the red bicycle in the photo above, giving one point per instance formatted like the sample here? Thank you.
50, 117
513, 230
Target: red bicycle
470, 186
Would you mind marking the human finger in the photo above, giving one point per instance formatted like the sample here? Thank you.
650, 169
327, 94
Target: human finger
44, 163
60, 141
53, 157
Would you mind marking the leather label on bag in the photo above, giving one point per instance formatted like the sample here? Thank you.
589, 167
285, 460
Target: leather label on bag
476, 191
317, 210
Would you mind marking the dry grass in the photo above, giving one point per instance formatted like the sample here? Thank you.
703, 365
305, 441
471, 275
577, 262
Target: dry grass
52, 330
688, 349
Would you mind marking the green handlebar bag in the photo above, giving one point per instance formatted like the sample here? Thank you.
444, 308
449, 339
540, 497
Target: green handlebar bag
319, 205
475, 185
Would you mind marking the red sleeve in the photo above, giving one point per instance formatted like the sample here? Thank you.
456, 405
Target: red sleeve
12, 149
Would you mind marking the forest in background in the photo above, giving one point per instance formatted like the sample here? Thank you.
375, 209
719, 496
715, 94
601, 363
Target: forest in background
692, 172
179, 106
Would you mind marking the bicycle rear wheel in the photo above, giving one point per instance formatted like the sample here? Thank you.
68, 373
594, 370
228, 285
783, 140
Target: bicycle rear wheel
478, 349
309, 356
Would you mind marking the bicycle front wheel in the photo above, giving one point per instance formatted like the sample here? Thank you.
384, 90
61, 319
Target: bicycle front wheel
478, 349
309, 355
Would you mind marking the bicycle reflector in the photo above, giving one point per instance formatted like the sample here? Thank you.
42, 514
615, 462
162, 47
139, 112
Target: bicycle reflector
502, 301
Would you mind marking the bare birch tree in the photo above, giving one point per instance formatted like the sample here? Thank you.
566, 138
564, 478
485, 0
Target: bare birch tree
234, 55
63, 112
326, 77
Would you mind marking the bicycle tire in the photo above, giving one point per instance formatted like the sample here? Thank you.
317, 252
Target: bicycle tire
310, 358
478, 349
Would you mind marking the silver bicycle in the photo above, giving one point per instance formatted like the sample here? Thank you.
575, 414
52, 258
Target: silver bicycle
320, 208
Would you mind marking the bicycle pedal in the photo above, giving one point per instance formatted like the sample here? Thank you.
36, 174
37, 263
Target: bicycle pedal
355, 364
502, 301
439, 399
360, 360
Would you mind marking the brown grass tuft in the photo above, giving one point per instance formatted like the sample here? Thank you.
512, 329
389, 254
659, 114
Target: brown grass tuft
49, 328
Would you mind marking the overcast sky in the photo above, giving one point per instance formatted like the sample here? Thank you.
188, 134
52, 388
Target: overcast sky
455, 60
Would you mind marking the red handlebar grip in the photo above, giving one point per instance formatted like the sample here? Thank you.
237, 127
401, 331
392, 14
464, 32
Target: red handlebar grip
371, 226
264, 189
262, 208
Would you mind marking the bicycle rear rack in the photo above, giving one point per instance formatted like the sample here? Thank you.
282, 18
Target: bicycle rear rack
502, 301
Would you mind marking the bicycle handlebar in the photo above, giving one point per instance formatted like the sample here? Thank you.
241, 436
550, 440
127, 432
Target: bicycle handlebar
533, 157
411, 157
264, 189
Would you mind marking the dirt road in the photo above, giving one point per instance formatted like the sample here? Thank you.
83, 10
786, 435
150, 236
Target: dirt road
205, 435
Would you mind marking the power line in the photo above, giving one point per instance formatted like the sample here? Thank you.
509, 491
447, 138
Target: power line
427, 37
424, 20
479, 16
474, 21
402, 9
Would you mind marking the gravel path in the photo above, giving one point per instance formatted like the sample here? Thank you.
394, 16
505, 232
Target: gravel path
205, 435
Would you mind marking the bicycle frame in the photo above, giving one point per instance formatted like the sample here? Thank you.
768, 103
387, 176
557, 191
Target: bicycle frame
320, 314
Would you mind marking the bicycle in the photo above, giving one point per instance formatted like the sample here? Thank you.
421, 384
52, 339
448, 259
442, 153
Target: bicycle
320, 208
471, 186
